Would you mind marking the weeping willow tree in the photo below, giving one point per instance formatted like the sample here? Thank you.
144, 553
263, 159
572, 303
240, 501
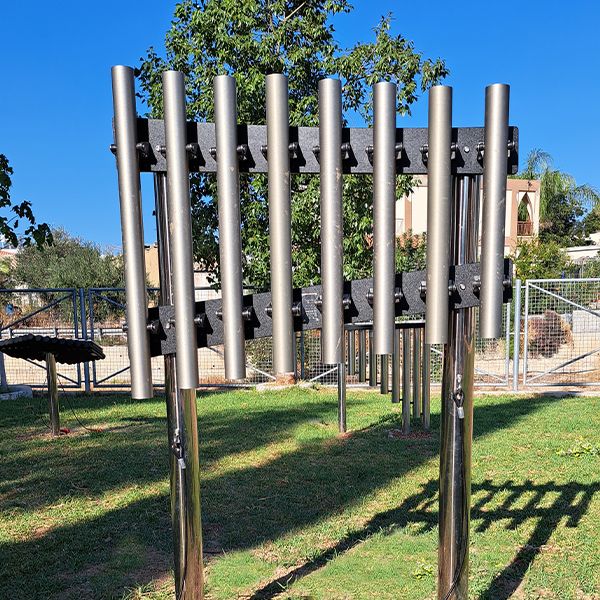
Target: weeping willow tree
568, 211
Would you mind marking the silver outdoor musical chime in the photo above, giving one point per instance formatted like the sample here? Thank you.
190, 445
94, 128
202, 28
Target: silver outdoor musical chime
454, 159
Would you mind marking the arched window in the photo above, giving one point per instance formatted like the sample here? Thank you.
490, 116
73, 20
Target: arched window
524, 220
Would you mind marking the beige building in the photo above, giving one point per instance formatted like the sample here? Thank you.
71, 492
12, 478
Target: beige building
523, 194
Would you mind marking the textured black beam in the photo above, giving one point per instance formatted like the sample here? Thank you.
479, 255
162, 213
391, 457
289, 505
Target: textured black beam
304, 143
409, 286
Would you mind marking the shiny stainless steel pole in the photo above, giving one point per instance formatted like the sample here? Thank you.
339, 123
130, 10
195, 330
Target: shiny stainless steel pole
180, 225
384, 216
187, 549
457, 412
136, 305
362, 355
396, 377
495, 157
372, 361
426, 388
406, 363
332, 226
351, 352
416, 375
280, 223
438, 213
230, 226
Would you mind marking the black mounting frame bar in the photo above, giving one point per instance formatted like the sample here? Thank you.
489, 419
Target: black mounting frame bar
357, 146
411, 295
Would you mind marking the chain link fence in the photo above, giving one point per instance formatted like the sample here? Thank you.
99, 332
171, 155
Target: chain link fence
561, 339
558, 334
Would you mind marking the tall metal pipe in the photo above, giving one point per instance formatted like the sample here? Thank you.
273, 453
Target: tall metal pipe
280, 223
183, 456
495, 157
396, 377
384, 215
362, 355
416, 373
384, 381
457, 412
332, 257
341, 375
406, 395
517, 334
136, 305
438, 213
53, 393
351, 352
230, 224
180, 224
372, 361
426, 386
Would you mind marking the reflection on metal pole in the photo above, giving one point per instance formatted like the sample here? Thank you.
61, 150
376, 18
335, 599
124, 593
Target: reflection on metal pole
341, 373
384, 365
426, 391
362, 355
372, 361
187, 551
396, 381
457, 412
351, 352
416, 374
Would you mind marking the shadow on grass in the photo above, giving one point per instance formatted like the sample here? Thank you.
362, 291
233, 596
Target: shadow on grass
571, 501
247, 506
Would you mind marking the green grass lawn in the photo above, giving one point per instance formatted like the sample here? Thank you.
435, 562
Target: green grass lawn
290, 508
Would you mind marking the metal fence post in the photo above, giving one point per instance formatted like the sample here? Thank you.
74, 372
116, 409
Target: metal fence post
526, 333
517, 334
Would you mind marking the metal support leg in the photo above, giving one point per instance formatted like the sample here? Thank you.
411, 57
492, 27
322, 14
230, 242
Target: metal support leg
84, 336
342, 397
406, 380
517, 334
53, 394
396, 385
362, 355
372, 362
385, 384
426, 389
457, 413
416, 374
351, 352
182, 430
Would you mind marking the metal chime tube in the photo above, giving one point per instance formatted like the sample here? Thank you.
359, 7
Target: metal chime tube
230, 241
330, 160
457, 412
362, 355
406, 363
384, 366
495, 157
426, 387
136, 305
384, 217
180, 223
396, 377
187, 550
351, 352
438, 213
416, 378
372, 361
280, 223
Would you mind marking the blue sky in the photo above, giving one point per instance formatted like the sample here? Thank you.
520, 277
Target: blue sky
55, 103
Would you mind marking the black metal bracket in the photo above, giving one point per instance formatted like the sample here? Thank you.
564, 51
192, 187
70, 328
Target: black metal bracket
463, 292
356, 149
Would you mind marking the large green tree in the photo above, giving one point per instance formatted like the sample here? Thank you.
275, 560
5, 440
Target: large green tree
568, 211
249, 39
15, 214
68, 263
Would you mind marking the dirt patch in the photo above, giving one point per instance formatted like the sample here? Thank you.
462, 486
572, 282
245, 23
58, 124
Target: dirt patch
419, 434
